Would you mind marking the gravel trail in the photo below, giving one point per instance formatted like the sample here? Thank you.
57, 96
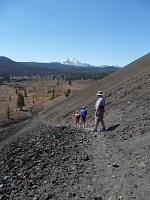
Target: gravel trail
47, 157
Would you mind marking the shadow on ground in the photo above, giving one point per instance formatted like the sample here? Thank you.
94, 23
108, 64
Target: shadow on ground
111, 128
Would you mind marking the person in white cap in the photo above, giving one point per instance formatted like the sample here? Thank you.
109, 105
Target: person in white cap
99, 111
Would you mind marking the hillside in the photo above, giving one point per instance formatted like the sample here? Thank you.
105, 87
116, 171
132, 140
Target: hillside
57, 65
112, 85
48, 158
11, 68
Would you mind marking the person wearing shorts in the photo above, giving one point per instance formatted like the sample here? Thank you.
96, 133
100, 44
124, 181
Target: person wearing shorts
99, 111
77, 117
83, 113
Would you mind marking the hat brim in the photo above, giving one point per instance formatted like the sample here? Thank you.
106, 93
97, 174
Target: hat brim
98, 94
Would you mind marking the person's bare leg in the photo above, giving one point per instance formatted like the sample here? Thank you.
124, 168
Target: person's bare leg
96, 125
84, 124
81, 123
103, 125
78, 124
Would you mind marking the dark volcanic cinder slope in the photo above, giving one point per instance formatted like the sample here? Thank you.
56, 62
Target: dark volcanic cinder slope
65, 163
115, 82
120, 164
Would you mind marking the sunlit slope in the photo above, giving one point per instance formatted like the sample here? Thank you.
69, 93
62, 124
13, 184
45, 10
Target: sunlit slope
88, 96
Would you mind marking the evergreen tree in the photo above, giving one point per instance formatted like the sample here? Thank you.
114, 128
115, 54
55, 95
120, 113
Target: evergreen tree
8, 112
9, 98
48, 90
20, 101
58, 83
25, 93
33, 99
31, 109
70, 82
67, 93
1, 81
53, 94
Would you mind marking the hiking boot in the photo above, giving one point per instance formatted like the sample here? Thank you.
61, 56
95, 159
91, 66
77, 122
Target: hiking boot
94, 130
103, 129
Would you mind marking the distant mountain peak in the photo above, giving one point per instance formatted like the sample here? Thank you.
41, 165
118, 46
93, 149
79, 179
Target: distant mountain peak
73, 61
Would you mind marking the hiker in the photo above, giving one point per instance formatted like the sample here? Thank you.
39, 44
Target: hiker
83, 113
77, 116
99, 111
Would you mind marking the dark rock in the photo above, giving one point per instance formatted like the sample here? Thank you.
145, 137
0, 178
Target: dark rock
85, 157
115, 165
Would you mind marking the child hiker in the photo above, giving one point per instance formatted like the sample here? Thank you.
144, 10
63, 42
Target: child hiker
83, 113
77, 117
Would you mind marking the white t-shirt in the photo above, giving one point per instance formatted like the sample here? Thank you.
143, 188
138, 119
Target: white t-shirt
100, 102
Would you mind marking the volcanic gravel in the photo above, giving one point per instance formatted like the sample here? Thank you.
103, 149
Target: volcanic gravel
47, 157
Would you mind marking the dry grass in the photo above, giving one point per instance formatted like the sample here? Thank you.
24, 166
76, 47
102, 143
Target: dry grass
38, 92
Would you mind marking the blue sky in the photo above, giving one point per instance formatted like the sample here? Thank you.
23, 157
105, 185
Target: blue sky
111, 32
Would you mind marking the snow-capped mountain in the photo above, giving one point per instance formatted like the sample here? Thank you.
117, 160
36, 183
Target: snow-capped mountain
73, 61
116, 66
76, 62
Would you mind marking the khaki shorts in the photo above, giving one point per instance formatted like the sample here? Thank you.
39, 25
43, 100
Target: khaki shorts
99, 115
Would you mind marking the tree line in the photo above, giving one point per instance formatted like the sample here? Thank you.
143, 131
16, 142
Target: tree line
86, 76
10, 69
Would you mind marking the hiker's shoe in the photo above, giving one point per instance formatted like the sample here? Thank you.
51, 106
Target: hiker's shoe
94, 130
103, 129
